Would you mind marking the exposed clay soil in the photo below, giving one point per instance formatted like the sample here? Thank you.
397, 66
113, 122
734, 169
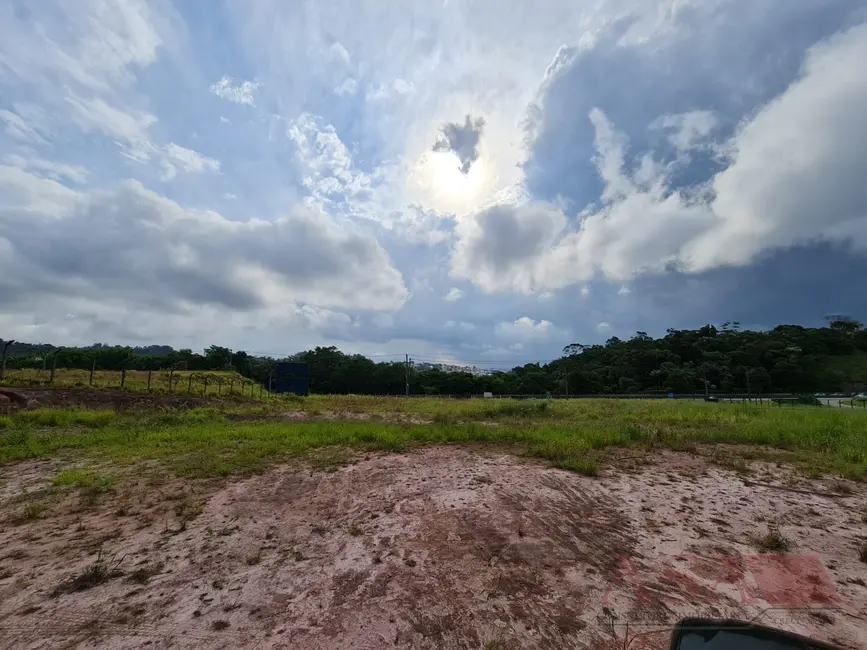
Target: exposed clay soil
444, 547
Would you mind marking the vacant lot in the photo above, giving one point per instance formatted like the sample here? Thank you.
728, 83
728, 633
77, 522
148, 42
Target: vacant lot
369, 523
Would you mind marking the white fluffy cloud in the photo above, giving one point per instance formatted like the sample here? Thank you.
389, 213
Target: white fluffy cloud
54, 170
326, 164
687, 130
792, 178
798, 166
176, 158
526, 329
241, 93
454, 294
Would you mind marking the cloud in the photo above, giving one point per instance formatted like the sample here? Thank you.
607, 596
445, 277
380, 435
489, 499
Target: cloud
687, 130
131, 131
176, 158
462, 140
798, 166
666, 148
25, 122
326, 164
624, 290
53, 170
603, 327
240, 94
91, 44
416, 225
339, 53
348, 86
147, 252
130, 128
499, 248
454, 294
526, 329
800, 156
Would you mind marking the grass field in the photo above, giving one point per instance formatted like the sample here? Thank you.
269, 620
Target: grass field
241, 522
203, 383
569, 434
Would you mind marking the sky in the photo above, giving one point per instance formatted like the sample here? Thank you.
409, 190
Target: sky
443, 179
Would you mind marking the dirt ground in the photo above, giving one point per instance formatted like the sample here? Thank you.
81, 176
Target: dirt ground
96, 398
443, 547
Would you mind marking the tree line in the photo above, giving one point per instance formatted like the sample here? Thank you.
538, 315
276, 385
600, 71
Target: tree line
786, 359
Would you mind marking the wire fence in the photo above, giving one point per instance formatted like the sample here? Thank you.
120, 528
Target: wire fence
768, 399
227, 383
191, 382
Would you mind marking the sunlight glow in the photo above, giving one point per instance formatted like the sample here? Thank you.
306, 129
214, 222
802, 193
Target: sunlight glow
445, 187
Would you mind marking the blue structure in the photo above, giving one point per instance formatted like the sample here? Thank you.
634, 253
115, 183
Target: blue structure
293, 378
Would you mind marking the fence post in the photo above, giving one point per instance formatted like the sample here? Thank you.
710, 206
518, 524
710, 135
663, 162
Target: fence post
231, 386
150, 372
190, 384
6, 345
171, 376
219, 386
205, 387
92, 370
53, 369
123, 377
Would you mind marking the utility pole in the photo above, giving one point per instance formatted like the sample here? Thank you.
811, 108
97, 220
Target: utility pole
6, 345
749, 392
407, 375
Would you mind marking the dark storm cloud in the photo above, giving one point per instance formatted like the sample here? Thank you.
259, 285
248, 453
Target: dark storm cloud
462, 140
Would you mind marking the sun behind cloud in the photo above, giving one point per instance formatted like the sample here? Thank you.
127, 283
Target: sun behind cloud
437, 181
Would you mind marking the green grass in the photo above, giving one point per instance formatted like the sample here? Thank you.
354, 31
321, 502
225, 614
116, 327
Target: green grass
568, 434
211, 382
91, 485
64, 418
83, 478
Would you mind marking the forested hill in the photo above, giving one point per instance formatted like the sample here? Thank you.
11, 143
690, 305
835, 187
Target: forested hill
789, 358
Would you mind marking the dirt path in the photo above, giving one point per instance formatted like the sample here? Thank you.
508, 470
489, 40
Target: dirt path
446, 547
